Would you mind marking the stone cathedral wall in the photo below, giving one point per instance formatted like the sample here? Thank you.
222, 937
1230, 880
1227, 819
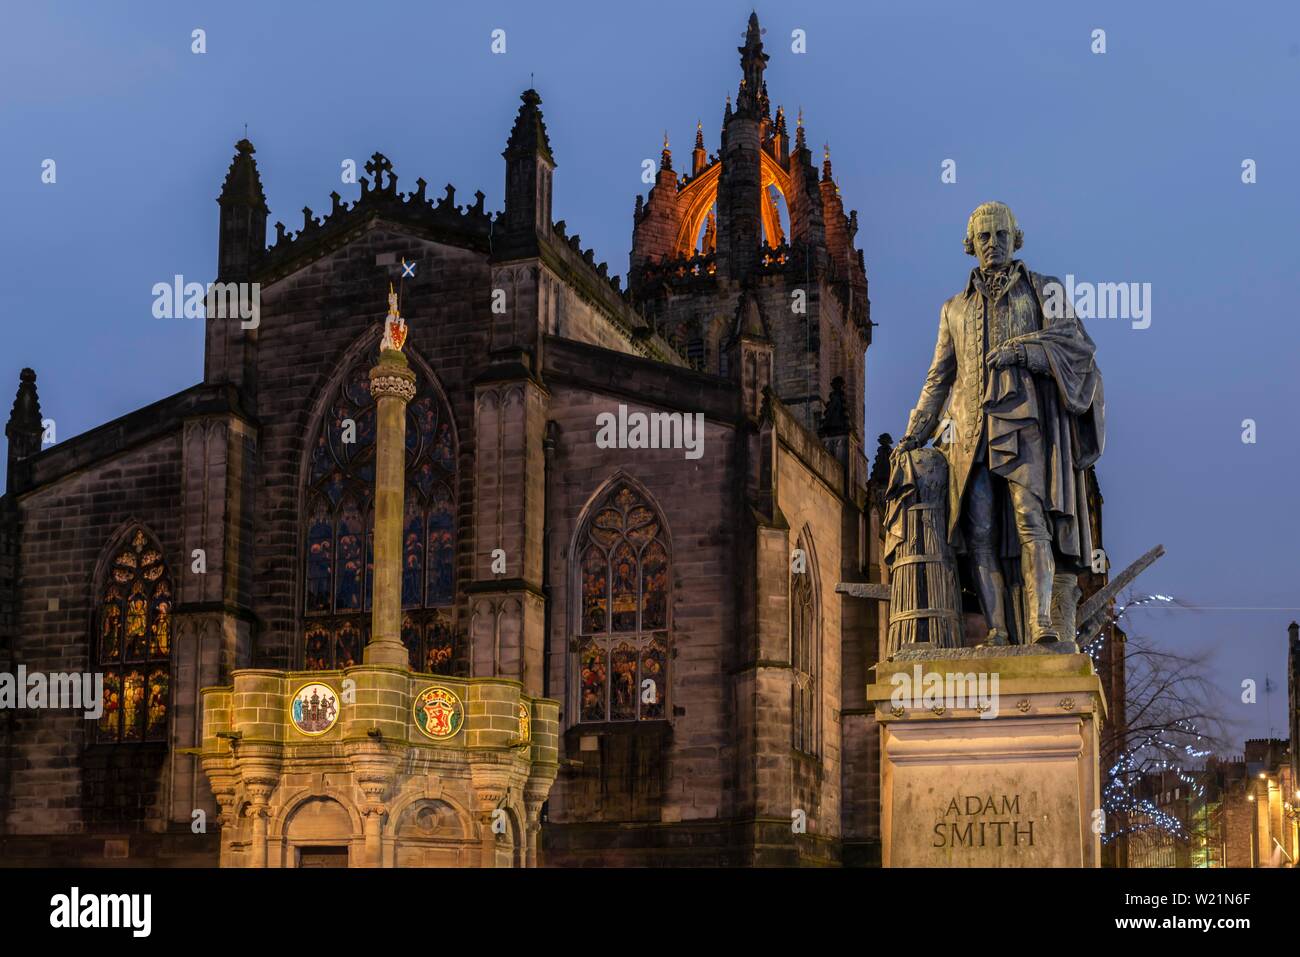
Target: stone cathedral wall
317, 321
650, 774
89, 802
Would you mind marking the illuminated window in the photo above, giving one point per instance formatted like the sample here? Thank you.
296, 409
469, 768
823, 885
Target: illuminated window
339, 530
134, 643
623, 629
805, 653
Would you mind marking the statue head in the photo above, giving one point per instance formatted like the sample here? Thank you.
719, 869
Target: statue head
992, 234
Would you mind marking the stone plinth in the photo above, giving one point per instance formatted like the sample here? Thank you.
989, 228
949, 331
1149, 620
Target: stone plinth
373, 788
991, 759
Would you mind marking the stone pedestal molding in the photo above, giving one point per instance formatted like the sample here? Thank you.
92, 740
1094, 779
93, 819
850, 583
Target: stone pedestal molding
990, 758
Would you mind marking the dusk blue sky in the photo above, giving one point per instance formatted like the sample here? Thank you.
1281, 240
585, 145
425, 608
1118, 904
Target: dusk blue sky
1122, 167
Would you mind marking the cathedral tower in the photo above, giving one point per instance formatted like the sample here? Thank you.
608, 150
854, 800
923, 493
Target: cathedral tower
757, 219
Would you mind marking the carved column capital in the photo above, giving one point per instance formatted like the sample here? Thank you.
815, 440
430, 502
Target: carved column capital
392, 377
374, 790
228, 814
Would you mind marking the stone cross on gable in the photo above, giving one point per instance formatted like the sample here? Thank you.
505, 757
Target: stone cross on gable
377, 166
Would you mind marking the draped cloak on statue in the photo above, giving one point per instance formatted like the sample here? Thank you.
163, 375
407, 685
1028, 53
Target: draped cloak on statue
1044, 422
1045, 438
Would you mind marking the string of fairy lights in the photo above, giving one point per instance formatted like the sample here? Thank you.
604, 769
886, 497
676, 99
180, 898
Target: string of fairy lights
1134, 765
1164, 751
1094, 647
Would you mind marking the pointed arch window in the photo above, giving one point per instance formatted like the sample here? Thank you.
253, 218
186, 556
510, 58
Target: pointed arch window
622, 564
805, 654
339, 522
133, 643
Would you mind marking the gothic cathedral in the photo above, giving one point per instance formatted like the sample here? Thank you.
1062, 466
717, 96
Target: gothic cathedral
623, 516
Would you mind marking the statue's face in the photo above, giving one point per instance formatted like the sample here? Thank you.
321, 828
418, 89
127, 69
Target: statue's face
994, 237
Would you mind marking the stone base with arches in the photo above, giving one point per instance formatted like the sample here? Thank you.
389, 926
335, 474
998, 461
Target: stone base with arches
373, 789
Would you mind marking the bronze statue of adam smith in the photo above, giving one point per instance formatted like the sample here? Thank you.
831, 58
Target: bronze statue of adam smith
1026, 419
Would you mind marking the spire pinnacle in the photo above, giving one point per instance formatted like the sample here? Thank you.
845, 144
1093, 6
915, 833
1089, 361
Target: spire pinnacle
243, 185
753, 61
529, 132
836, 418
24, 426
26, 411
699, 159
826, 161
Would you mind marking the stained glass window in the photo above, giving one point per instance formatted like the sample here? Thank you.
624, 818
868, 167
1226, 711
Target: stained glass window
339, 523
622, 578
134, 639
805, 648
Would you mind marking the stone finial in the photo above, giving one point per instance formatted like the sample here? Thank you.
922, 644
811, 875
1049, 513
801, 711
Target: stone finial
880, 467
835, 417
710, 241
749, 319
26, 411
377, 166
529, 133
753, 61
243, 184
698, 157
24, 427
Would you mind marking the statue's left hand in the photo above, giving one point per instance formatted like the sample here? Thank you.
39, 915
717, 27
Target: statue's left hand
1002, 357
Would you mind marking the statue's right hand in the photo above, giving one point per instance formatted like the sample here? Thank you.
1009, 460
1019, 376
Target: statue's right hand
906, 444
